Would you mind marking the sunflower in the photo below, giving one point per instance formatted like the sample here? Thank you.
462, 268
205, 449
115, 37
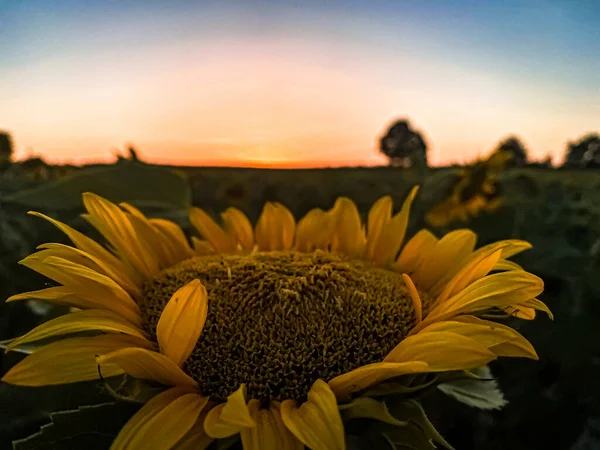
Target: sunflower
276, 333
476, 191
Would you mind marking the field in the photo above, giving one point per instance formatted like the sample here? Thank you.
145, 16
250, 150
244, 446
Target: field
553, 403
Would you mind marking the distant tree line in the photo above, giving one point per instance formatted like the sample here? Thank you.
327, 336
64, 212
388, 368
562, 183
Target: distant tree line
405, 147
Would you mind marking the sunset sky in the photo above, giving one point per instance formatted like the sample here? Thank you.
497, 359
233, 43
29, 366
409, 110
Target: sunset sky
305, 83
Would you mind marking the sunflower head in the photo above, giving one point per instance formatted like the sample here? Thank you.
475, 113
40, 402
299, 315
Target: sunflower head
276, 332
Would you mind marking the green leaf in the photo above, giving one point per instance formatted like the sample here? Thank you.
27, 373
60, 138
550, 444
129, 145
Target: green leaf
412, 411
140, 184
369, 408
88, 427
409, 438
482, 392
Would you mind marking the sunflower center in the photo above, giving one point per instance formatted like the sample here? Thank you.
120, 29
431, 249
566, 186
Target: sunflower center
278, 321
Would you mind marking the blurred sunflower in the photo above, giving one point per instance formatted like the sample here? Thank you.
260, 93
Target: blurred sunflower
477, 191
276, 333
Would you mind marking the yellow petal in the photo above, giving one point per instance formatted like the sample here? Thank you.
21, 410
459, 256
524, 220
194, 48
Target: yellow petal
147, 365
415, 251
475, 269
87, 320
162, 422
182, 321
61, 295
69, 361
313, 231
441, 351
174, 239
521, 312
498, 338
117, 227
372, 374
220, 241
237, 225
168, 242
317, 422
510, 247
498, 290
78, 277
391, 237
348, 235
504, 264
445, 259
120, 276
414, 295
116, 269
379, 215
196, 438
229, 418
201, 248
275, 228
270, 432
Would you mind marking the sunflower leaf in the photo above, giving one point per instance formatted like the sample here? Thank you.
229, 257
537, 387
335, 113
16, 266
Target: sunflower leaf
90, 427
480, 392
137, 183
413, 412
409, 438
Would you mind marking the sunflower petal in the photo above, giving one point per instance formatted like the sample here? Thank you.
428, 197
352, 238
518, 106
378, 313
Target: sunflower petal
498, 290
415, 251
162, 422
237, 225
79, 256
86, 320
510, 247
475, 269
270, 432
414, 295
220, 241
391, 237
366, 376
444, 260
275, 228
504, 264
61, 295
174, 238
459, 352
317, 422
379, 215
313, 231
196, 438
498, 338
78, 277
148, 365
182, 321
69, 361
117, 228
348, 234
229, 418
118, 270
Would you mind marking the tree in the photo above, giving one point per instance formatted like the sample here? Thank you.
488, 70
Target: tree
6, 150
515, 147
585, 153
404, 146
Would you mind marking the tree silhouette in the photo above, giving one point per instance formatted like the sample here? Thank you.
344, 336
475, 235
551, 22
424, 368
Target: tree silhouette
515, 147
6, 150
404, 146
585, 153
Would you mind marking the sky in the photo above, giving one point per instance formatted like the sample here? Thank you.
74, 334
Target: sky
295, 84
